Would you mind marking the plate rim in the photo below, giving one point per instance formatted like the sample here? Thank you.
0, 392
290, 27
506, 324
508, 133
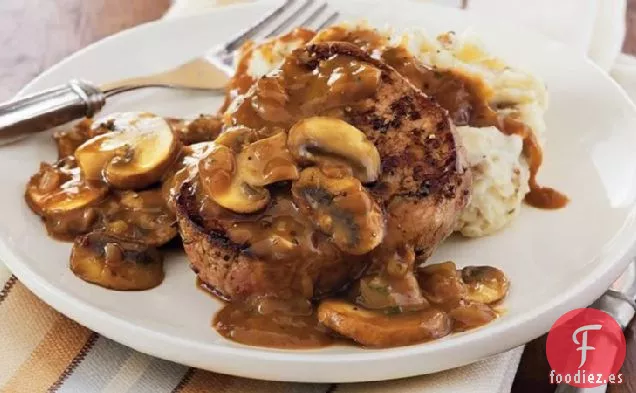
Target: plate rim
125, 332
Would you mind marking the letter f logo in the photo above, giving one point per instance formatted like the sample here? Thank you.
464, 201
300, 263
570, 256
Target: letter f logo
584, 347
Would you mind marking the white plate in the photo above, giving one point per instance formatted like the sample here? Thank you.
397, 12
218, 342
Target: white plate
557, 260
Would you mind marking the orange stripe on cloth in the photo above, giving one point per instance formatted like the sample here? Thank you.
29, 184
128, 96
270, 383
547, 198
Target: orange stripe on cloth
199, 381
26, 320
53, 359
90, 342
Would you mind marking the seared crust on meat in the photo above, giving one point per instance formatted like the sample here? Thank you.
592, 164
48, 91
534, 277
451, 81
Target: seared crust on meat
415, 136
425, 180
211, 254
232, 272
423, 186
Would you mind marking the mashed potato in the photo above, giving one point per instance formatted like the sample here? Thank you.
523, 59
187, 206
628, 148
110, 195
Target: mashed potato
501, 174
500, 170
268, 56
500, 180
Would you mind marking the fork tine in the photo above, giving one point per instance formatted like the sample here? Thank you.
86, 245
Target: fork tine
291, 19
235, 43
314, 15
332, 18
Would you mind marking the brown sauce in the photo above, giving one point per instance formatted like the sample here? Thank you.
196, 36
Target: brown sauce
294, 323
463, 96
72, 206
142, 217
294, 93
369, 40
204, 128
283, 236
284, 328
291, 328
242, 80
69, 140
546, 198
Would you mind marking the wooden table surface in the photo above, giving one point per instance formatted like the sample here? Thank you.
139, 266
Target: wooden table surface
38, 33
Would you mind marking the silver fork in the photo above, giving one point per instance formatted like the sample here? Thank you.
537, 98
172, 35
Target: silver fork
210, 72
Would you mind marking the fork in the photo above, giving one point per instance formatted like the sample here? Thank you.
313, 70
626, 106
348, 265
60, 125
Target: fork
210, 72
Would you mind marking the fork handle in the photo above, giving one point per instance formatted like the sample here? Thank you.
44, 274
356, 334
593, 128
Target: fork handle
48, 109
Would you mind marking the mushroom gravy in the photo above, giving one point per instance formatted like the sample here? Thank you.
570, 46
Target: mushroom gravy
289, 252
242, 80
117, 220
271, 323
457, 303
296, 92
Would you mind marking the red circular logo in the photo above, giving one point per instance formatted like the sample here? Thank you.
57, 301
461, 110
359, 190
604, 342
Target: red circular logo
586, 348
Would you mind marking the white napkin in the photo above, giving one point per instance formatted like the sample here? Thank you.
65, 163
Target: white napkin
595, 27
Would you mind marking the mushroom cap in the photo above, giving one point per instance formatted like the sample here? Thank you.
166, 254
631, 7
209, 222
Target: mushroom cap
134, 155
235, 177
441, 284
116, 263
377, 329
320, 140
267, 161
219, 177
59, 188
485, 284
342, 209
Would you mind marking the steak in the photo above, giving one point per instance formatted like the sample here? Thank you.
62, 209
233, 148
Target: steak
422, 186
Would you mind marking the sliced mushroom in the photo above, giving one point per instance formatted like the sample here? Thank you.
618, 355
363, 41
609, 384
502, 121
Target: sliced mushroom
342, 209
59, 188
184, 170
221, 180
267, 161
484, 284
326, 140
376, 329
236, 181
114, 263
441, 284
134, 156
469, 316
